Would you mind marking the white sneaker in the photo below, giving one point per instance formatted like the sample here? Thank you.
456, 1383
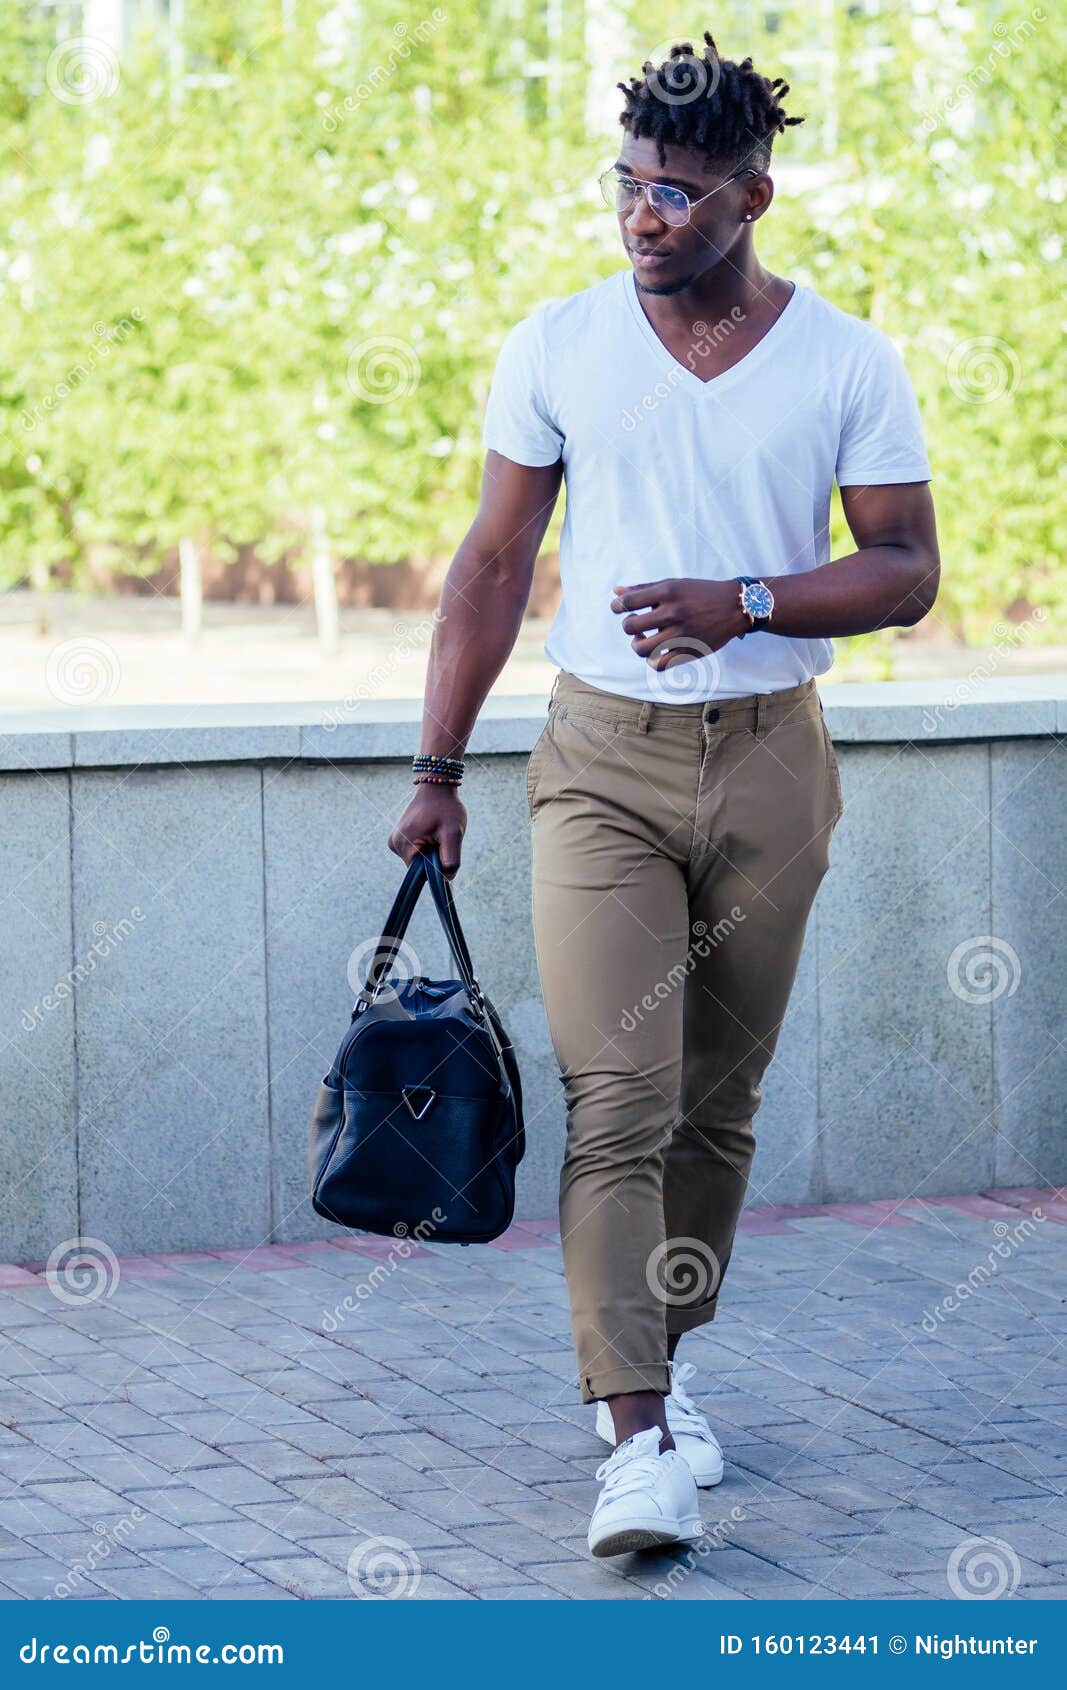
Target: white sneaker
693, 1437
649, 1499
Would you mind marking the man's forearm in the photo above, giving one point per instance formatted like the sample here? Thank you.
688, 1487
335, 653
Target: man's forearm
481, 611
877, 587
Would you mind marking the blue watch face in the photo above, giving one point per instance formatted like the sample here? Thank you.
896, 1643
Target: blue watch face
758, 600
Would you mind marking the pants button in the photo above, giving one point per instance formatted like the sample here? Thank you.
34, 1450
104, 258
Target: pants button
712, 716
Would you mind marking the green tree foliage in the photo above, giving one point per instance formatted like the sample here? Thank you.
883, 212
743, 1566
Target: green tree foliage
258, 275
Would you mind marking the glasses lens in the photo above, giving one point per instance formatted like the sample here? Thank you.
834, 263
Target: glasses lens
671, 205
618, 191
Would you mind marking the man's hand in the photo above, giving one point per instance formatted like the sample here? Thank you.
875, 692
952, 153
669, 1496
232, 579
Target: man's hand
680, 621
435, 815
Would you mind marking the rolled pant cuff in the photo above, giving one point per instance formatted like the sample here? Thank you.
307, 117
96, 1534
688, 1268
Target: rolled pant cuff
684, 1320
617, 1381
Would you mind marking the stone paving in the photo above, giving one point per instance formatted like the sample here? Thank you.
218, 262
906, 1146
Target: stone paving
365, 1418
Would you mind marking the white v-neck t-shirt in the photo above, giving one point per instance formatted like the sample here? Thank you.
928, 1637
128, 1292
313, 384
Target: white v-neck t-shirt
668, 475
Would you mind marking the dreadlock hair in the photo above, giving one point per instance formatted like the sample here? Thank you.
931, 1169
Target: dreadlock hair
727, 109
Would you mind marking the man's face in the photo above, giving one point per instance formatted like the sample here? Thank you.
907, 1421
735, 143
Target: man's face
675, 257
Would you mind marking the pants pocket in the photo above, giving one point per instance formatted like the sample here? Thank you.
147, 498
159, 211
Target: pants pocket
533, 762
833, 774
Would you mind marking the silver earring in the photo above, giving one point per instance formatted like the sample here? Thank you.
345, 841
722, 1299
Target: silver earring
748, 216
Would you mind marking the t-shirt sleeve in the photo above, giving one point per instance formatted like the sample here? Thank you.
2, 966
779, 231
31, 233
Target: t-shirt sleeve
518, 420
882, 435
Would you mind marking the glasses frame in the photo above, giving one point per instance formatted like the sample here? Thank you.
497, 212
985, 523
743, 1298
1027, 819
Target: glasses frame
647, 187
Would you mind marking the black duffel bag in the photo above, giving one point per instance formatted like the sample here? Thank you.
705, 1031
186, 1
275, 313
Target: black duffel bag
418, 1126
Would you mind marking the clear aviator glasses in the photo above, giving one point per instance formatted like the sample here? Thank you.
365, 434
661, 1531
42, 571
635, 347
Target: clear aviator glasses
671, 205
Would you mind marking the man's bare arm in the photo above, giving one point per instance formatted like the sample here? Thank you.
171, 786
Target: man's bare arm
483, 600
890, 581
484, 597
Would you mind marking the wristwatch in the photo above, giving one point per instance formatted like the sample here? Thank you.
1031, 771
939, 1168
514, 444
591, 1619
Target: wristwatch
757, 601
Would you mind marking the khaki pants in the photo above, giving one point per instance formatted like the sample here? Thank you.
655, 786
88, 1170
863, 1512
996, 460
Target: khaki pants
677, 849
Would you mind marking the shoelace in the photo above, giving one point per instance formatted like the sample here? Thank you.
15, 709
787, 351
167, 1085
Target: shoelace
628, 1469
683, 1413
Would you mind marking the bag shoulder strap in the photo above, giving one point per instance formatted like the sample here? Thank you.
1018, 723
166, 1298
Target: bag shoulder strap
441, 892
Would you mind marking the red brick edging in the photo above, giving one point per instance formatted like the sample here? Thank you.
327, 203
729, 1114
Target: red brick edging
1007, 1204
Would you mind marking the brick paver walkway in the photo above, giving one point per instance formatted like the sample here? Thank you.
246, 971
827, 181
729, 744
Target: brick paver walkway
366, 1418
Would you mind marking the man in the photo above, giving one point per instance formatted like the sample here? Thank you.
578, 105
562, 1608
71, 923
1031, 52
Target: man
684, 789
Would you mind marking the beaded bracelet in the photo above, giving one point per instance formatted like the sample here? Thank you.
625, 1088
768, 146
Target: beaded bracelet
429, 762
435, 780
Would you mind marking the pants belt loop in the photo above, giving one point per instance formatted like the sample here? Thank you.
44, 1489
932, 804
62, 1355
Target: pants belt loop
762, 701
645, 716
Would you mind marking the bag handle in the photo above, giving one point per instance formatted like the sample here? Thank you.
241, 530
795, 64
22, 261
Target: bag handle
396, 923
424, 865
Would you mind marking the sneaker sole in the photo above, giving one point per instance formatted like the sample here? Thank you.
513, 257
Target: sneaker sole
706, 1481
626, 1540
